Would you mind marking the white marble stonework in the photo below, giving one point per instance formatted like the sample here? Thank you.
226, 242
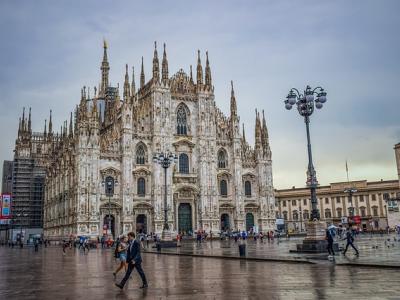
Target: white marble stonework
223, 184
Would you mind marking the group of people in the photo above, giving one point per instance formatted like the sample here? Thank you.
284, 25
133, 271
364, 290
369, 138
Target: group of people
348, 236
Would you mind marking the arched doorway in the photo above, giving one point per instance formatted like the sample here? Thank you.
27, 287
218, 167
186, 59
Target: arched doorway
185, 218
106, 224
225, 224
141, 223
249, 221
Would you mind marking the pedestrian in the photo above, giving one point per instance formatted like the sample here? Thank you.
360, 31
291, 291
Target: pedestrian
329, 238
36, 243
134, 259
120, 253
349, 238
65, 245
198, 237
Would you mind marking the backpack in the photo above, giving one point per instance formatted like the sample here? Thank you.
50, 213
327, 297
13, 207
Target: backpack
116, 253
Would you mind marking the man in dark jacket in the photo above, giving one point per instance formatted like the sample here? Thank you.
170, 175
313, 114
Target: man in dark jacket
349, 238
134, 259
329, 238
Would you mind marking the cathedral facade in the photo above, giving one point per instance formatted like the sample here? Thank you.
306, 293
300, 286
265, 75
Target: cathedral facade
100, 174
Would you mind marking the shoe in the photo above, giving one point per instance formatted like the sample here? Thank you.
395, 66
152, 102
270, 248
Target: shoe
144, 286
115, 275
357, 254
118, 285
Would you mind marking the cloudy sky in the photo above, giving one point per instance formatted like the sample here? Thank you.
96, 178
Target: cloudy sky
50, 49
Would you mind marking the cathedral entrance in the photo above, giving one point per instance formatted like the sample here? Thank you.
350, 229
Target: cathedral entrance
141, 224
106, 224
185, 219
225, 224
249, 221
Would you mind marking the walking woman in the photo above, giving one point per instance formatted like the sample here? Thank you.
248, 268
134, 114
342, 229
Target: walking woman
121, 250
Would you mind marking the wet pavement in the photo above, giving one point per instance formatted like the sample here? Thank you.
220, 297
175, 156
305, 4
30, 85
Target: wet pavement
374, 250
48, 274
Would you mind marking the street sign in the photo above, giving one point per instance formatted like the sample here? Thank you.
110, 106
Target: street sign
280, 222
344, 220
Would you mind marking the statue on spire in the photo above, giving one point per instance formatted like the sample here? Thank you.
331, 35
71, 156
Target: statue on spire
199, 69
156, 65
133, 87
127, 91
208, 71
105, 68
164, 66
142, 79
233, 102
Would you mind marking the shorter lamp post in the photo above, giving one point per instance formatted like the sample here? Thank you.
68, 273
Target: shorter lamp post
165, 160
109, 184
20, 215
350, 191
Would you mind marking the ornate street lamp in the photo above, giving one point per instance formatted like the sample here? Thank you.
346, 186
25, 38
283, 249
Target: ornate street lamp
351, 191
165, 160
109, 183
305, 105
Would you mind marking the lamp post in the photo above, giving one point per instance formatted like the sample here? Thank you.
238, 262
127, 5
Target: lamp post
301, 219
165, 160
306, 103
393, 203
305, 106
109, 184
19, 215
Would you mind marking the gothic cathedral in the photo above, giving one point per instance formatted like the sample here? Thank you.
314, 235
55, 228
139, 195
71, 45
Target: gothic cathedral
101, 178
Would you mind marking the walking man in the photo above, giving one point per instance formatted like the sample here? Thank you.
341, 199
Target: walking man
349, 238
329, 238
134, 259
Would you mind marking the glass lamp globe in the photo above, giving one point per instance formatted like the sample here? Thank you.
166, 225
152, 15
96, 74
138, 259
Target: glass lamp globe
318, 105
288, 106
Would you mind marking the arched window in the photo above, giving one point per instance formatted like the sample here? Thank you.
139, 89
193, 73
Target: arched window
285, 215
362, 211
247, 188
140, 155
306, 215
339, 212
375, 211
183, 163
141, 186
181, 121
223, 187
328, 214
295, 215
222, 163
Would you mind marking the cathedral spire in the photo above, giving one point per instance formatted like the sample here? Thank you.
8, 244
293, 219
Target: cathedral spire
45, 128
29, 121
23, 119
105, 68
142, 80
243, 134
71, 132
199, 69
50, 124
133, 88
208, 71
19, 127
257, 132
164, 66
233, 102
191, 74
264, 136
127, 92
156, 64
